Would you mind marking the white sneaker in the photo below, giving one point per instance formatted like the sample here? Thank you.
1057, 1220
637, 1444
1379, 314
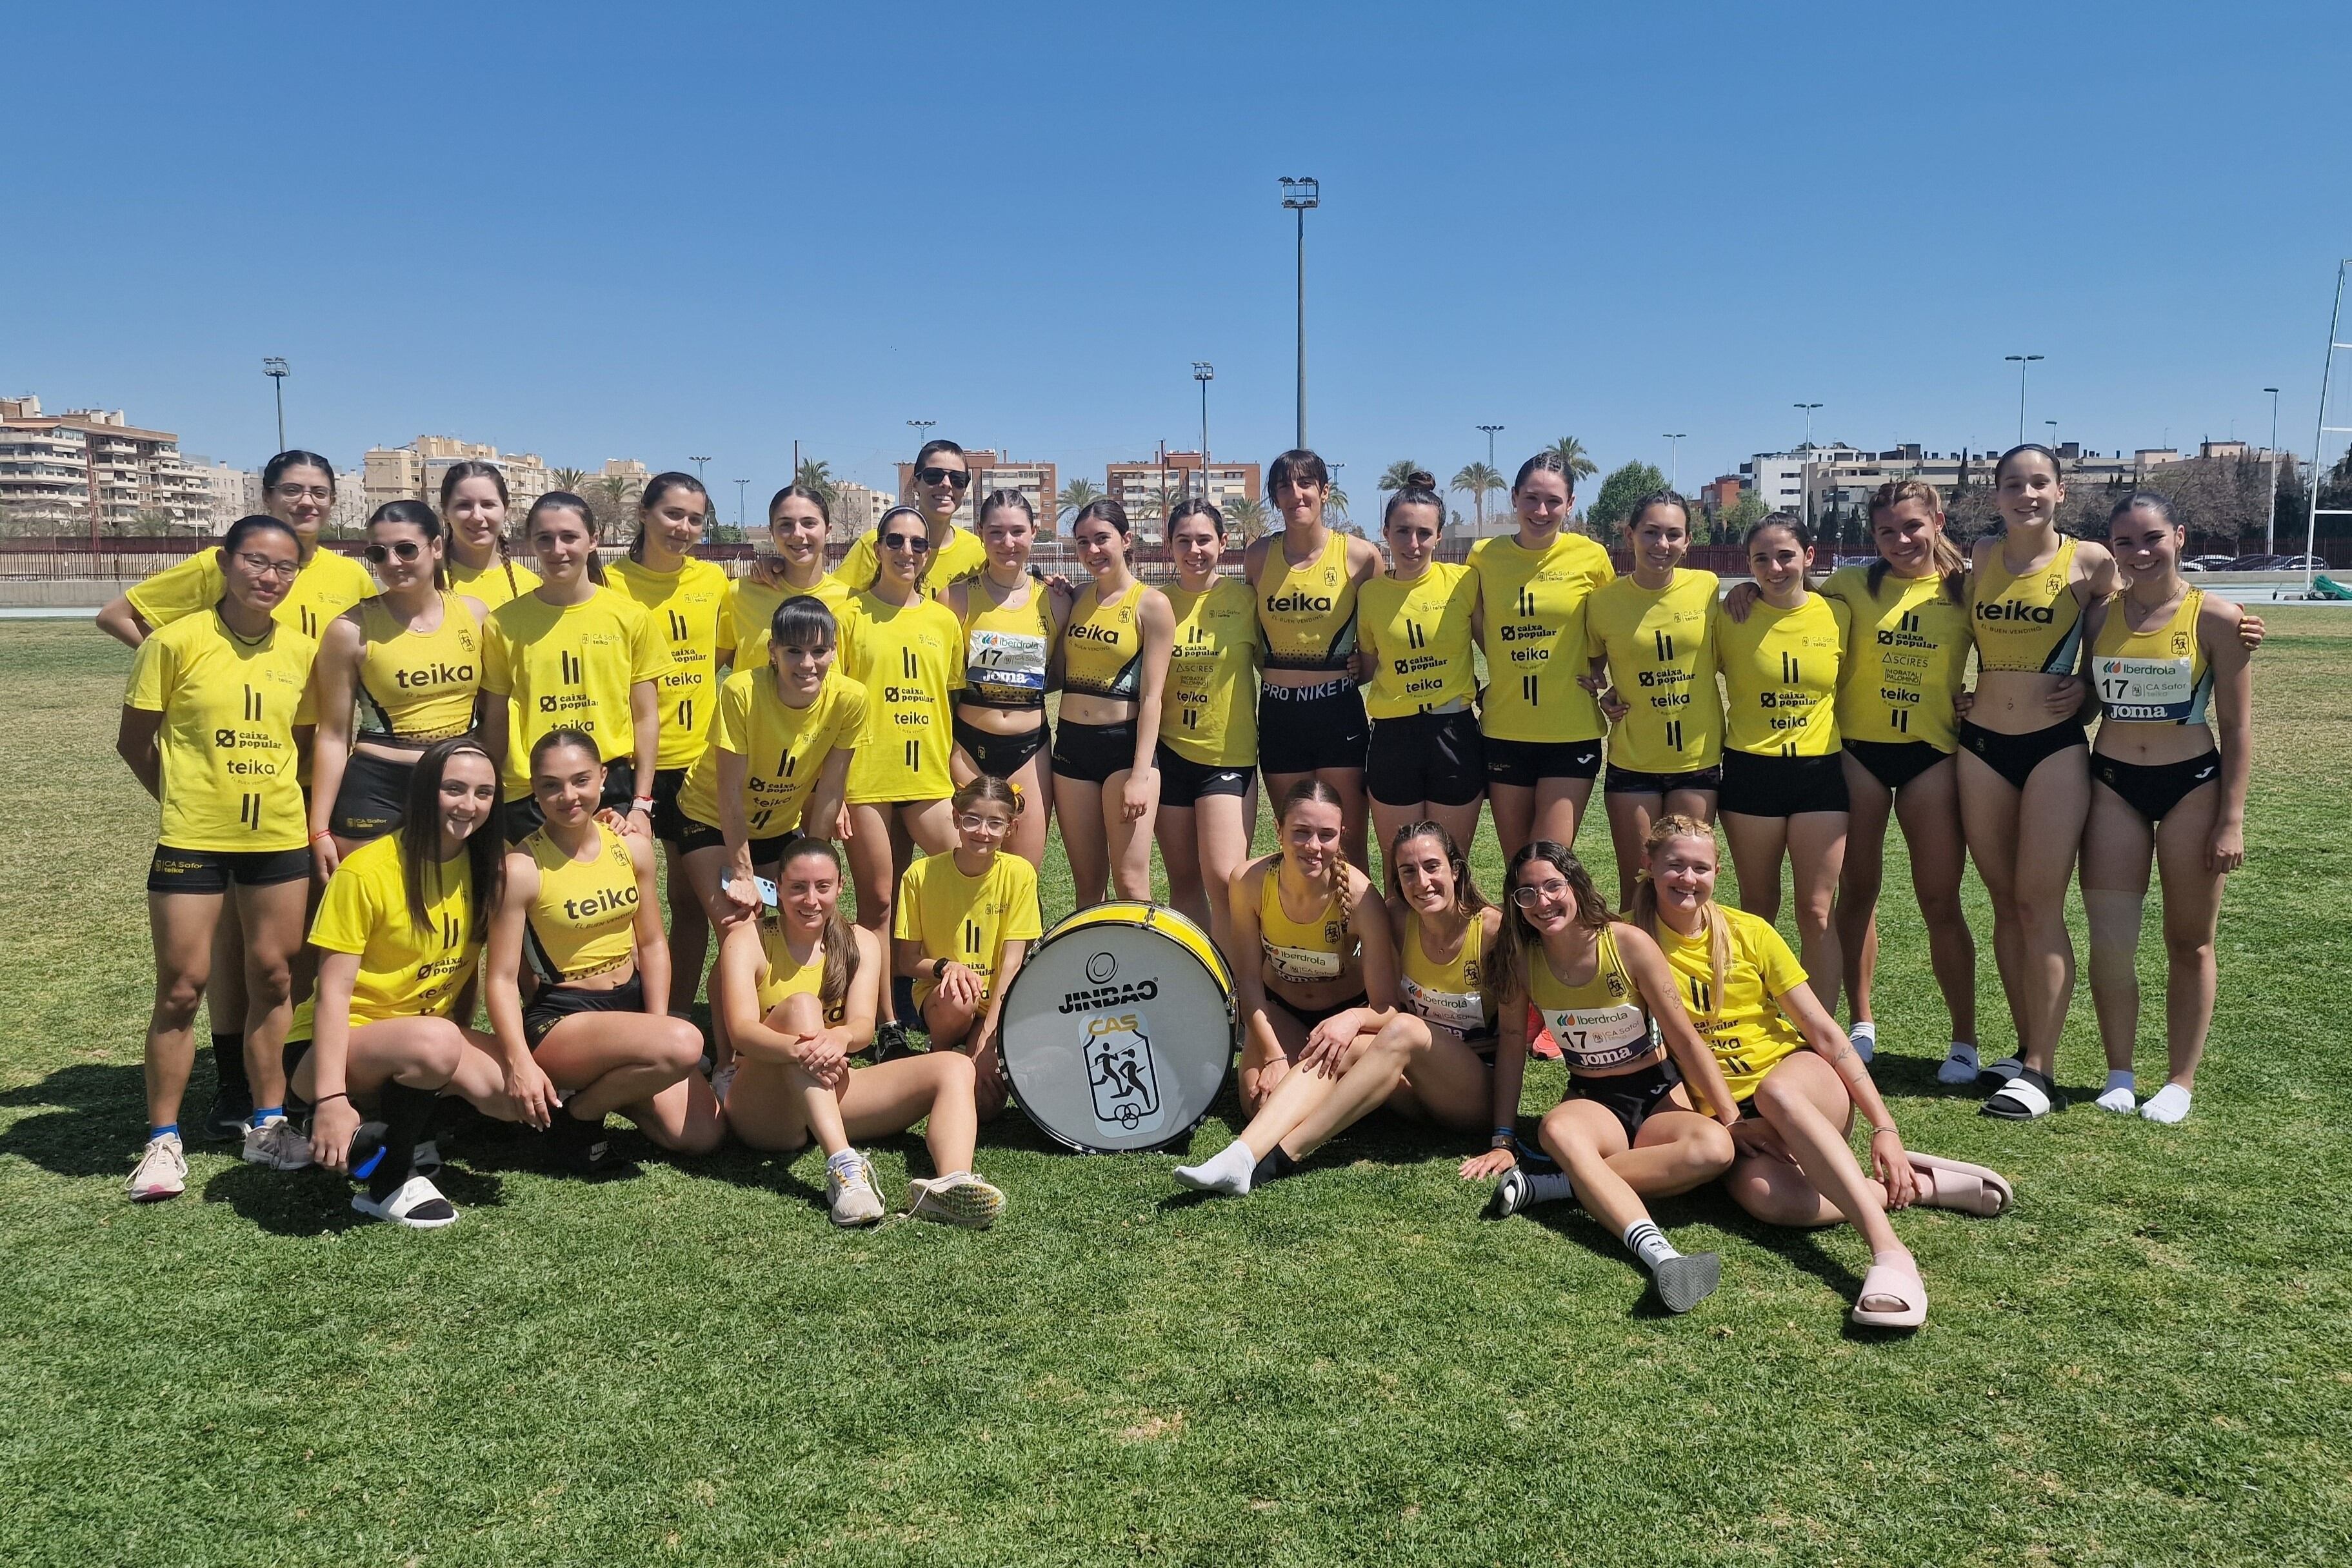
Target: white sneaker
965, 1200
279, 1144
855, 1196
161, 1171
417, 1203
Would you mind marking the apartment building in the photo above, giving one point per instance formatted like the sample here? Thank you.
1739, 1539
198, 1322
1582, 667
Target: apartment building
1138, 486
414, 472
91, 469
857, 509
233, 492
1845, 476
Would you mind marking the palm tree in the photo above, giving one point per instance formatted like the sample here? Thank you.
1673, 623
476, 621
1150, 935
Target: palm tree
1245, 516
816, 475
1571, 452
1335, 499
1075, 497
1398, 474
573, 480
614, 492
1478, 479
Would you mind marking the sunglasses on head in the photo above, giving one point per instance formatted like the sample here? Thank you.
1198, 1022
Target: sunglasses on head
402, 551
935, 475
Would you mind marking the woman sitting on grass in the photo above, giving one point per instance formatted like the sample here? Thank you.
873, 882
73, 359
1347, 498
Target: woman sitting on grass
798, 990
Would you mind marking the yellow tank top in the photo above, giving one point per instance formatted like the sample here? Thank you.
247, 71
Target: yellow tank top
583, 922
1305, 952
1210, 716
785, 975
2157, 676
1452, 994
418, 687
2030, 622
1102, 647
1906, 652
1420, 633
1005, 647
1533, 604
1780, 678
498, 583
1600, 1024
1659, 645
1308, 613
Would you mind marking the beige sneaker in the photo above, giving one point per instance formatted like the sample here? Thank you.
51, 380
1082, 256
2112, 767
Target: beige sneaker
163, 1171
279, 1144
965, 1200
856, 1198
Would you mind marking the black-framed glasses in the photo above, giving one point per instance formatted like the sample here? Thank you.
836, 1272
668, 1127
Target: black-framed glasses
935, 475
400, 550
918, 543
262, 566
1529, 897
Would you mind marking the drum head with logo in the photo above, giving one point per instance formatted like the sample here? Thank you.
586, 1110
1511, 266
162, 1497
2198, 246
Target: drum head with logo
1119, 1030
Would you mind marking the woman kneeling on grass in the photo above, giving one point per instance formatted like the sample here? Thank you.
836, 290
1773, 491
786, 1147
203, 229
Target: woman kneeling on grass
1748, 995
1628, 1126
596, 1035
1324, 1042
398, 933
799, 992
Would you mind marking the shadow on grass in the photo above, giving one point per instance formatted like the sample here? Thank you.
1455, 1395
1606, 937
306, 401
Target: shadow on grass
98, 1121
315, 1203
1914, 1077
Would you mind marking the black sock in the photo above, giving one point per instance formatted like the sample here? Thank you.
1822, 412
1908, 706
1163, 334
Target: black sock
405, 1113
228, 1059
1276, 1163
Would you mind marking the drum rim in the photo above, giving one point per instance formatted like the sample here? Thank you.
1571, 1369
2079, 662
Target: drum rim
1232, 1049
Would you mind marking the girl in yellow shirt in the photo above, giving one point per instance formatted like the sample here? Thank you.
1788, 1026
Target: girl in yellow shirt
596, 1034
798, 989
1208, 724
1112, 663
1011, 620
935, 492
800, 520
1796, 1078
474, 509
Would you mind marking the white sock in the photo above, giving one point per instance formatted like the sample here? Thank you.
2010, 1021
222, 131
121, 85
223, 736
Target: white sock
1865, 1036
1649, 1244
1226, 1171
952, 1178
2119, 1094
1960, 1066
845, 1162
2168, 1105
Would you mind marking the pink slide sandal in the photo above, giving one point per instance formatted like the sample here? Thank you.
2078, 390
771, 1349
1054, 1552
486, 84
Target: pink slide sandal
1892, 1277
1960, 1186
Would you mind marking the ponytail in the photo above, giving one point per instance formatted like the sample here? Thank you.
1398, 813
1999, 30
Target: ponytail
840, 939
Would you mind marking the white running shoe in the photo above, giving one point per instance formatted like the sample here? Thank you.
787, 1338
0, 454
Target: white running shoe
855, 1196
277, 1143
161, 1171
965, 1200
417, 1203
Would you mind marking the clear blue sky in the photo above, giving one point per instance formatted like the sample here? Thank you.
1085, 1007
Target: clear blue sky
589, 232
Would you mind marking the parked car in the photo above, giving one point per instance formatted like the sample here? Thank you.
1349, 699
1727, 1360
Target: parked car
2208, 563
2193, 566
2253, 563
2298, 563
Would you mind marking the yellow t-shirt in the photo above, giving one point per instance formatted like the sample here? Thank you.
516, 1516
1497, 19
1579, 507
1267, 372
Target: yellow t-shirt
966, 919
963, 555
1209, 714
1660, 645
1535, 604
418, 687
1906, 653
583, 921
685, 606
1418, 635
327, 585
1780, 671
495, 584
751, 610
1745, 1026
909, 659
570, 666
784, 748
404, 972
230, 709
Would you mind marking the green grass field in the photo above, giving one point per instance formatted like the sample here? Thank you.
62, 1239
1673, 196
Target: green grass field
2148, 1361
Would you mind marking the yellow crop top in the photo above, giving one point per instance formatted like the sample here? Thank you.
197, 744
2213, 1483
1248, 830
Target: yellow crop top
783, 975
1006, 647
1453, 995
1419, 634
416, 687
1102, 647
1780, 678
1533, 604
1906, 653
2157, 676
2031, 622
1659, 646
583, 921
1600, 1025
1305, 952
1210, 716
1308, 613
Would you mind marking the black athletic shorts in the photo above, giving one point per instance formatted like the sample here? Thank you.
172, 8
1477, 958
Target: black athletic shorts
2153, 789
1522, 764
669, 822
212, 871
2015, 756
373, 798
1303, 728
1002, 756
1626, 781
1091, 753
1894, 763
1310, 1016
1631, 1097
620, 789
1183, 781
1757, 785
555, 1003
1435, 757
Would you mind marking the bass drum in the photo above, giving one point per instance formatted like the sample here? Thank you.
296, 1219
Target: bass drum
1118, 1030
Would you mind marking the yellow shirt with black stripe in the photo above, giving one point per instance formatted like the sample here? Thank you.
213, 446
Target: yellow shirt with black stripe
751, 611
686, 607
1209, 714
1780, 670
1660, 648
960, 557
1102, 645
966, 919
1007, 648
784, 748
418, 685
1307, 614
1739, 1017
1418, 636
498, 583
2026, 621
570, 666
404, 972
2160, 676
909, 659
327, 585
226, 745
1535, 603
1906, 655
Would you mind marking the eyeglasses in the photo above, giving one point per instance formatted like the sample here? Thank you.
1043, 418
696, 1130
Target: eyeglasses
304, 492
915, 542
978, 824
402, 551
1542, 893
262, 566
934, 475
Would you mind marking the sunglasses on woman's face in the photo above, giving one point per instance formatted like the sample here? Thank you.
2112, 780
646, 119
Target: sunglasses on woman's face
402, 551
915, 542
938, 475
